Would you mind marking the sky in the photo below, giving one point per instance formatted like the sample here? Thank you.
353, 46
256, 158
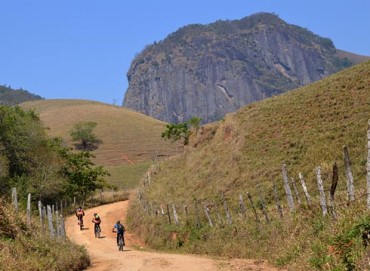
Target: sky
82, 49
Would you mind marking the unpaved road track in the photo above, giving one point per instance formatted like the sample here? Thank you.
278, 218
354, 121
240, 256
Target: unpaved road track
105, 255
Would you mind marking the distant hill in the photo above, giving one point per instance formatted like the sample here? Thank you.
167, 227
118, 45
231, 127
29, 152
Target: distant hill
210, 70
130, 140
9, 96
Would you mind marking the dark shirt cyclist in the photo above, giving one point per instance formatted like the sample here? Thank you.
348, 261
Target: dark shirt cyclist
80, 214
120, 229
96, 220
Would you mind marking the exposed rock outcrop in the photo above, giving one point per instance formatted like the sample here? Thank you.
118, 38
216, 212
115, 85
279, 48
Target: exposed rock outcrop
210, 70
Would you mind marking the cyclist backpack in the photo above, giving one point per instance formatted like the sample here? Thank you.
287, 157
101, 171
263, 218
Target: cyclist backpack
120, 228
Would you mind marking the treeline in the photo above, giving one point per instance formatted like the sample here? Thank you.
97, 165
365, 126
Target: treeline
42, 166
9, 96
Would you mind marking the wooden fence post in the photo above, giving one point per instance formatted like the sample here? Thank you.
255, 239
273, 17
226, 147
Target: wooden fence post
50, 219
168, 214
368, 166
186, 209
322, 192
278, 206
57, 223
253, 208
175, 217
228, 216
347, 165
61, 207
206, 210
288, 191
40, 213
29, 210
15, 198
303, 183
333, 187
44, 214
63, 229
264, 209
242, 206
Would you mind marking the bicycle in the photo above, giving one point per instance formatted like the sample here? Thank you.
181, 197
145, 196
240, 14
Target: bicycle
97, 231
81, 223
121, 242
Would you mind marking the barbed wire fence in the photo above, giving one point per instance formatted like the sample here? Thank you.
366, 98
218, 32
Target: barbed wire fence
50, 216
323, 200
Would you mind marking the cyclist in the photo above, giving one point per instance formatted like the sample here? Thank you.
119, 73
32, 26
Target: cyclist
120, 229
96, 220
80, 214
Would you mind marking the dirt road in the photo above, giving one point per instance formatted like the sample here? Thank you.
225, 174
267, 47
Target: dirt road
105, 255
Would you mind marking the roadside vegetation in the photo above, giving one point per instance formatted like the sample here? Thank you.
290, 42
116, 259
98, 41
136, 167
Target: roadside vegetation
29, 248
302, 129
37, 164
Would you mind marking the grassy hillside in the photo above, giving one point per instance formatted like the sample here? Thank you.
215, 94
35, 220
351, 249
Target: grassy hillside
130, 140
303, 129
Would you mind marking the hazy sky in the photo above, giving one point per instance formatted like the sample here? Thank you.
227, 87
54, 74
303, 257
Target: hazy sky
83, 49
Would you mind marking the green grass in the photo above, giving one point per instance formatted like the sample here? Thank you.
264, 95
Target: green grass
126, 177
303, 129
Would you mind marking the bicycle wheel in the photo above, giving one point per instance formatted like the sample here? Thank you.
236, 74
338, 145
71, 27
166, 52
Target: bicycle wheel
120, 243
97, 231
81, 224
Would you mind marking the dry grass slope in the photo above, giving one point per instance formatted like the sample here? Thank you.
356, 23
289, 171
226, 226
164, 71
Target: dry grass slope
129, 138
303, 129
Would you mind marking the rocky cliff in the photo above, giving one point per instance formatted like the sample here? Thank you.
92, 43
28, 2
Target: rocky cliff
210, 70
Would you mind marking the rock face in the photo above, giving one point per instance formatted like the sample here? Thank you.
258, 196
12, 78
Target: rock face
209, 70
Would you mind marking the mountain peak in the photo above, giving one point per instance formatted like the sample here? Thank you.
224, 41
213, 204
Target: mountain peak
210, 70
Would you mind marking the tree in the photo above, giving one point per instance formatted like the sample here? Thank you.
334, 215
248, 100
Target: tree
194, 122
83, 177
82, 134
26, 159
181, 130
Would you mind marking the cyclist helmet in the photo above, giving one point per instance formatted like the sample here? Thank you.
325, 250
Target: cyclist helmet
95, 214
118, 222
